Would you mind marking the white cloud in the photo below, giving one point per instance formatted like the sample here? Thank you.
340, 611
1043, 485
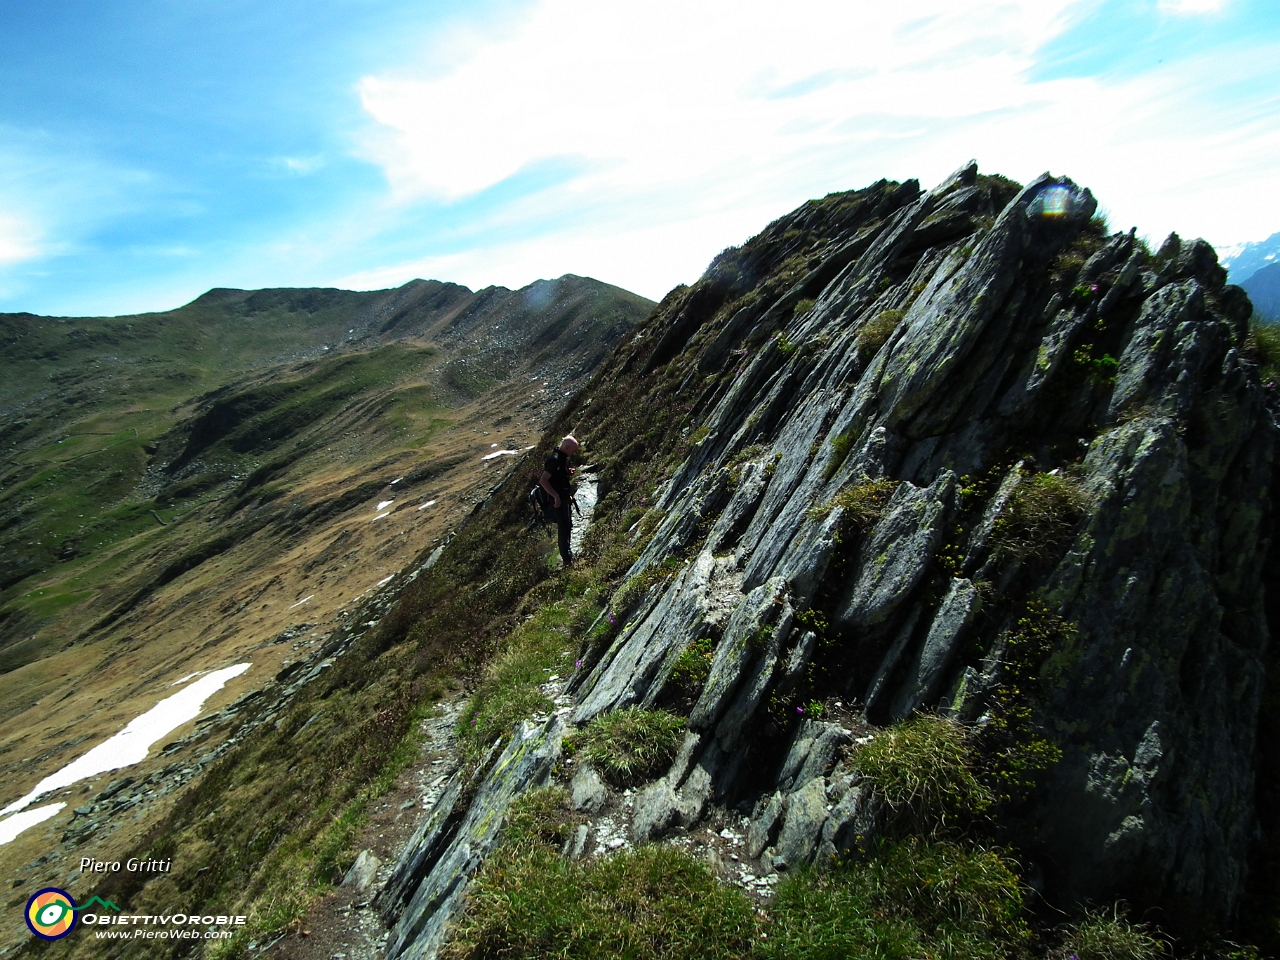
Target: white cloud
660, 93
300, 165
691, 125
18, 240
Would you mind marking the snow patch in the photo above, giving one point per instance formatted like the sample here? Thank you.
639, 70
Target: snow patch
131, 744
427, 504
500, 453
302, 601
383, 505
11, 827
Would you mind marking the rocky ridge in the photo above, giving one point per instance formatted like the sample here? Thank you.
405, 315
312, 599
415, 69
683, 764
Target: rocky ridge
880, 391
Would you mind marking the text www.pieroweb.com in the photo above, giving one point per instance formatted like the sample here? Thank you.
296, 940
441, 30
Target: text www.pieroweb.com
163, 934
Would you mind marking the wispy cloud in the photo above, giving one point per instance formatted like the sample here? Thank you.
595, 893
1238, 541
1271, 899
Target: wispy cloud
627, 141
693, 124
668, 91
18, 240
301, 165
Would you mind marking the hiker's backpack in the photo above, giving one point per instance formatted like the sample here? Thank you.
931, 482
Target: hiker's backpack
540, 506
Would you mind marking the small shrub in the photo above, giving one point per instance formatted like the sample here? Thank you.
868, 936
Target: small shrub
654, 903
542, 817
691, 668
632, 745
1100, 370
924, 768
910, 899
1013, 749
1107, 935
1263, 347
1040, 518
876, 333
785, 346
802, 307
863, 503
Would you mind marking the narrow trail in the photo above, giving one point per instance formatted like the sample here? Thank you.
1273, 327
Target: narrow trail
343, 925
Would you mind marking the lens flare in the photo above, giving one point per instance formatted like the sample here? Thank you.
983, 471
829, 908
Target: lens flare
1055, 202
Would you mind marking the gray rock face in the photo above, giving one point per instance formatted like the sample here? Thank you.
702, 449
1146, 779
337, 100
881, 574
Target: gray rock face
929, 667
363, 872
452, 844
635, 666
806, 814
588, 790
897, 554
977, 345
1157, 776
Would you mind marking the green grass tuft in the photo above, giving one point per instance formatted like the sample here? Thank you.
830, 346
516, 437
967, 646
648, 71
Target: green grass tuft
863, 503
924, 768
1107, 935
875, 334
1039, 520
1263, 348
510, 689
654, 902
632, 745
691, 669
909, 900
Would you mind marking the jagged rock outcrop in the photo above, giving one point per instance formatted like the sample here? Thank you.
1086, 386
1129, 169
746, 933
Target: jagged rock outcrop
426, 886
920, 416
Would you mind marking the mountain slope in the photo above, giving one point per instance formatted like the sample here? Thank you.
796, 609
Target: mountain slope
223, 483
902, 456
1263, 288
1013, 380
114, 425
1243, 260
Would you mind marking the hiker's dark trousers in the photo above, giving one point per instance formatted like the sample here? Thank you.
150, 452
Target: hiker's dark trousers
563, 516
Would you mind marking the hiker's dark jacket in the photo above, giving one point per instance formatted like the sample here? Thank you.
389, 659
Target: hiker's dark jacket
558, 466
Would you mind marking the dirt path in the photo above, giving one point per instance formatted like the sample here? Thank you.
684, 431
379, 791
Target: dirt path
343, 925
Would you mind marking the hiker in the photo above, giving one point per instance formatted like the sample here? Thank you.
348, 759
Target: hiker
555, 480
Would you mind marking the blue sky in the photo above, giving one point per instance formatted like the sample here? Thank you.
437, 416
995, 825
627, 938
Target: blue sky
152, 150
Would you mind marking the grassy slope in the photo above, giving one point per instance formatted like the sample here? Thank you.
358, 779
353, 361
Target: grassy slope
86, 402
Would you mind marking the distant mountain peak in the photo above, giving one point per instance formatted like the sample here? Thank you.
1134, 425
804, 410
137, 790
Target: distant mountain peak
1243, 260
